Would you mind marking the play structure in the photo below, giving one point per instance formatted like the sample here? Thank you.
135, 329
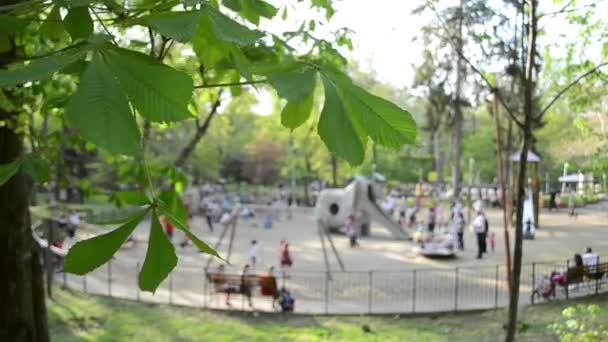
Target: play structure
359, 199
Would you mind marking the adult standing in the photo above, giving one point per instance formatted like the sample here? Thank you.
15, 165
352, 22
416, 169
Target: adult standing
254, 253
206, 213
479, 227
459, 223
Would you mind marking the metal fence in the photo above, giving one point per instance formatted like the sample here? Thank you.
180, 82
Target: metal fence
367, 292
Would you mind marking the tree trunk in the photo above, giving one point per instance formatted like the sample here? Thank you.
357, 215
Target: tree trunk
201, 130
307, 179
501, 182
521, 180
438, 157
458, 116
23, 309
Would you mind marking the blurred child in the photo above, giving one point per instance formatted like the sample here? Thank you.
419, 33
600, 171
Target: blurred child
492, 240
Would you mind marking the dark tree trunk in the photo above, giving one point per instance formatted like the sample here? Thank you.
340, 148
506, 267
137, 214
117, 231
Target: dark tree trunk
307, 179
23, 310
521, 180
201, 130
458, 116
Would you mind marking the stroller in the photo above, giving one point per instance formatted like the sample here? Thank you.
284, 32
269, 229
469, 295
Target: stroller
286, 301
543, 287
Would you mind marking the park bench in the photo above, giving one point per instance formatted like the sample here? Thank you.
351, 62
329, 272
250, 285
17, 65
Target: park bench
577, 276
236, 283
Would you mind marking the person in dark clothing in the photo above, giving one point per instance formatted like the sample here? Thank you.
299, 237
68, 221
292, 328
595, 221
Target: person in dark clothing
480, 228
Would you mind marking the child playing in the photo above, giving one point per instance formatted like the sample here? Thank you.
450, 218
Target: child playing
492, 240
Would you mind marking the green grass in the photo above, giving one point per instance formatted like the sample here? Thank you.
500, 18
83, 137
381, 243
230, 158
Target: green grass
74, 316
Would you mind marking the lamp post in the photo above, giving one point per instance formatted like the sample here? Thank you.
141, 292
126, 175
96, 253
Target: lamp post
565, 174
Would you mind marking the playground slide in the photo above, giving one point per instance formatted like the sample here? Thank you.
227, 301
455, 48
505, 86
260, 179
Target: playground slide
377, 215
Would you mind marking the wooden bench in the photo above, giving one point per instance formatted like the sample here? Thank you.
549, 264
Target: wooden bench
236, 283
581, 275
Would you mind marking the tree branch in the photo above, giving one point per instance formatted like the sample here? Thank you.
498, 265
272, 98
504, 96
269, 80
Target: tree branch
565, 89
474, 68
104, 26
230, 84
201, 130
565, 10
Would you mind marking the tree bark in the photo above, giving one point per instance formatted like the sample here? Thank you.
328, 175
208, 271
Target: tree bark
201, 130
501, 182
521, 180
23, 309
458, 116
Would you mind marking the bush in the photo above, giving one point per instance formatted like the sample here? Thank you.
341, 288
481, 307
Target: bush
581, 323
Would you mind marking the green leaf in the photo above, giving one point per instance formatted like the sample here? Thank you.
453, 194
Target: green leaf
201, 245
383, 121
133, 197
228, 30
296, 113
11, 24
53, 26
336, 128
36, 167
160, 258
180, 26
172, 202
7, 171
78, 23
208, 48
101, 112
87, 255
294, 84
241, 63
252, 10
158, 92
41, 68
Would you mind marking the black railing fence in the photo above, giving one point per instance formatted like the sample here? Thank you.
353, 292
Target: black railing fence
356, 292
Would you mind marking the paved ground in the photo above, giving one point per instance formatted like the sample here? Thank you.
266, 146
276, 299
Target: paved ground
392, 286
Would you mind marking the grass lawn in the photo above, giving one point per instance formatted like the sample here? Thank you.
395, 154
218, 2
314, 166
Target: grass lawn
74, 316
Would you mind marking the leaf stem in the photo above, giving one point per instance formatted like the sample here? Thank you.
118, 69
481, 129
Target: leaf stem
230, 84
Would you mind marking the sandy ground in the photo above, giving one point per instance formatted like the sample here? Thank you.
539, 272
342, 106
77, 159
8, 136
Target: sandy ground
380, 273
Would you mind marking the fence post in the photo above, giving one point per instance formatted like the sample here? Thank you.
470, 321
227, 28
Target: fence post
533, 282
456, 289
414, 290
49, 258
137, 282
171, 288
326, 292
84, 283
205, 291
110, 277
596, 273
370, 278
496, 288
567, 282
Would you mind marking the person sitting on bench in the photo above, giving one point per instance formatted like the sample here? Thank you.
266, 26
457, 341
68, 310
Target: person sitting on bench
570, 275
590, 259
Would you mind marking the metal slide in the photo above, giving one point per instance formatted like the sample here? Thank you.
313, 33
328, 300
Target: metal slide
377, 215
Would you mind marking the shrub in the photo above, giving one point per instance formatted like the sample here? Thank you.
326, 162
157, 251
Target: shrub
581, 323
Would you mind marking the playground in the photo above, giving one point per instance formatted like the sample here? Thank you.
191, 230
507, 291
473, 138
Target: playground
382, 274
